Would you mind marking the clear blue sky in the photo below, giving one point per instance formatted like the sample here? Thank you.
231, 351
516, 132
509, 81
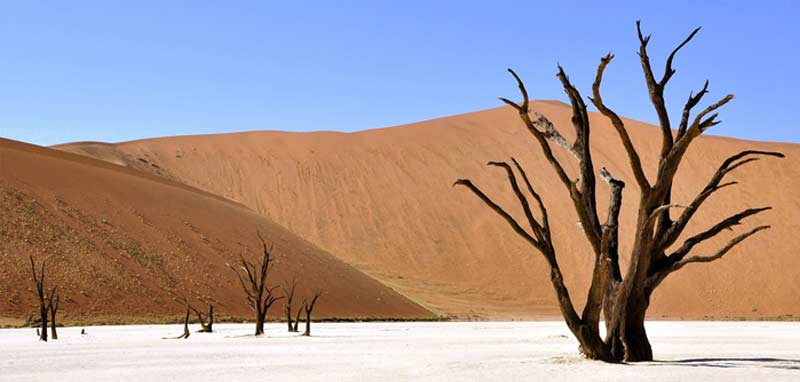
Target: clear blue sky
114, 71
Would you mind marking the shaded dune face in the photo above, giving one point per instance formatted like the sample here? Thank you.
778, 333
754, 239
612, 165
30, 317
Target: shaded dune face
123, 245
383, 200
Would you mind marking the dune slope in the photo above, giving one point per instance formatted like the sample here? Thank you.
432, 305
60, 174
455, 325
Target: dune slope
382, 200
122, 245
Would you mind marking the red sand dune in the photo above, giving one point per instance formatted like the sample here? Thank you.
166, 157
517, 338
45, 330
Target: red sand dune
382, 200
121, 245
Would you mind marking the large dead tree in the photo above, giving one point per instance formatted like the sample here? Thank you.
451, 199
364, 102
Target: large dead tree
38, 279
287, 307
655, 253
308, 306
253, 281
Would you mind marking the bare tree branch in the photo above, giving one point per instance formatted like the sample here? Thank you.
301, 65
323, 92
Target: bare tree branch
607, 264
542, 209
722, 251
554, 135
656, 92
693, 100
584, 199
668, 70
619, 126
499, 210
669, 236
536, 227
729, 222
538, 135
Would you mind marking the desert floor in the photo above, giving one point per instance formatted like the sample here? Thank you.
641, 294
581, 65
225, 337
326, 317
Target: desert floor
448, 351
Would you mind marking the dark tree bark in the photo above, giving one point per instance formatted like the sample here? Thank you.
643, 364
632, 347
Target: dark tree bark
622, 300
52, 306
38, 279
295, 328
287, 307
253, 281
186, 332
309, 307
205, 327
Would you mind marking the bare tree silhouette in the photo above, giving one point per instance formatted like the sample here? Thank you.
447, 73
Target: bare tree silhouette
253, 281
287, 307
308, 306
622, 300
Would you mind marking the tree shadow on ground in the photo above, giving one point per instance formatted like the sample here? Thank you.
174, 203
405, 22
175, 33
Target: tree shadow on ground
727, 363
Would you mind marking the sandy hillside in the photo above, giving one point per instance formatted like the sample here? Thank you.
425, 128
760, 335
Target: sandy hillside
382, 200
122, 244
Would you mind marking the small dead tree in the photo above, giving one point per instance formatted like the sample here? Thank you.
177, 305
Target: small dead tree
52, 306
287, 307
309, 307
186, 332
38, 279
205, 327
295, 328
253, 281
654, 255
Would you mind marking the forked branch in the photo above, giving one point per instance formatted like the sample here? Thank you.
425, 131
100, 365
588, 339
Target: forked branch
714, 184
728, 223
500, 211
619, 126
722, 251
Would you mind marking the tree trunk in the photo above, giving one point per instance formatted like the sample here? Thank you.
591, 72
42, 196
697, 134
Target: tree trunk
288, 310
591, 345
209, 328
53, 333
186, 332
43, 313
296, 328
259, 323
613, 339
307, 333
634, 336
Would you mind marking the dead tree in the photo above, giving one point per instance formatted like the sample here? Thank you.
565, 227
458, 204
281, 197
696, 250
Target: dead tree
38, 279
205, 327
654, 254
52, 306
259, 297
295, 328
186, 332
309, 307
287, 307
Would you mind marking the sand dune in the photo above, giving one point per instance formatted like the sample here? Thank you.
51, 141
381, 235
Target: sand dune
382, 200
122, 244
